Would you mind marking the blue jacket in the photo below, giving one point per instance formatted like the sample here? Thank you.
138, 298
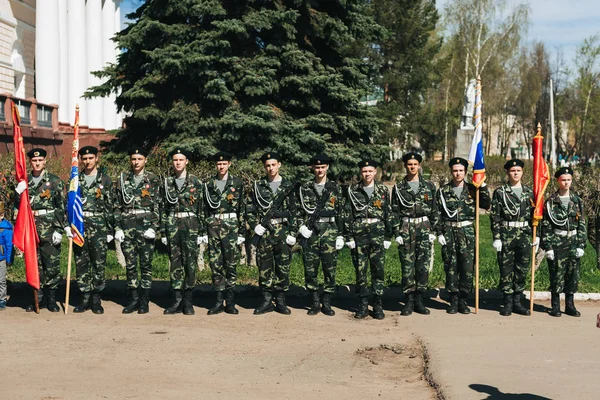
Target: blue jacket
6, 241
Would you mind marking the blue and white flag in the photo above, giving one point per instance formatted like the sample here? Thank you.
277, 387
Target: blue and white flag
74, 203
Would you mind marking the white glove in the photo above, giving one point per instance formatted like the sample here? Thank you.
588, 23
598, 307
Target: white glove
241, 240
109, 238
442, 240
163, 240
119, 236
399, 240
386, 244
536, 242
202, 240
431, 238
56, 238
149, 234
339, 242
21, 187
259, 230
304, 231
290, 240
68, 232
550, 254
497, 245
351, 244
579, 253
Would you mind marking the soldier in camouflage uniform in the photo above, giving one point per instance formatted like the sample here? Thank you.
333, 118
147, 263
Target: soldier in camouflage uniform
181, 229
456, 233
368, 229
47, 195
137, 218
325, 237
511, 218
223, 205
414, 207
98, 219
564, 235
277, 236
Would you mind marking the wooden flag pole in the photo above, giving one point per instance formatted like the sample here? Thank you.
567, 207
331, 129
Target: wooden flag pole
533, 248
69, 275
477, 251
36, 301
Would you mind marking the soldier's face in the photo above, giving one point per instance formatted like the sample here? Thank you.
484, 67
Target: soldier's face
38, 164
89, 161
368, 174
412, 167
179, 162
565, 181
458, 173
515, 174
223, 167
320, 170
272, 168
138, 163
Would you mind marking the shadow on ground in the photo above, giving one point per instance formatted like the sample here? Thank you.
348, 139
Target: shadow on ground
495, 394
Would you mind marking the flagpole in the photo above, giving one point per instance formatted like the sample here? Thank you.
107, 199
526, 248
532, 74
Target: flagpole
36, 301
69, 276
477, 251
533, 248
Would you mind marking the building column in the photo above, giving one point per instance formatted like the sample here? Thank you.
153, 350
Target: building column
108, 56
47, 63
77, 59
63, 54
94, 57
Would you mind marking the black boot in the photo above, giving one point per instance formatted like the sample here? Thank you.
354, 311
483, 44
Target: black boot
453, 307
144, 300
555, 311
134, 302
85, 303
267, 304
218, 308
230, 302
507, 305
409, 305
570, 305
188, 302
51, 304
378, 308
280, 305
419, 306
518, 307
97, 304
41, 301
363, 308
326, 309
462, 303
315, 303
175, 308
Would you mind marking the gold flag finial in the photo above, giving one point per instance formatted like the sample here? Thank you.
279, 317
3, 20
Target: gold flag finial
77, 107
538, 133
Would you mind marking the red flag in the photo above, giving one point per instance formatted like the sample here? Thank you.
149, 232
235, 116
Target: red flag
25, 236
541, 176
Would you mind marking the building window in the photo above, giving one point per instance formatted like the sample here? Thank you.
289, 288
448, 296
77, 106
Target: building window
44, 116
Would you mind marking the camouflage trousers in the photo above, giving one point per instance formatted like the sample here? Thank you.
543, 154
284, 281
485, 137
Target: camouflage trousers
415, 255
274, 257
369, 253
48, 253
182, 239
320, 249
564, 269
515, 258
223, 251
90, 259
135, 247
459, 258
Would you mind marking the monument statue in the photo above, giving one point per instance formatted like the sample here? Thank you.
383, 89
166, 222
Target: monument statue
466, 121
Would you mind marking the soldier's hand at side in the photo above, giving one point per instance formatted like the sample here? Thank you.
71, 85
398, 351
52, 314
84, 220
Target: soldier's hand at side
351, 244
259, 230
550, 254
109, 238
56, 238
339, 242
149, 234
386, 244
202, 239
21, 187
163, 240
119, 236
399, 240
304, 231
68, 232
442, 240
431, 238
240, 240
290, 240
497, 245
579, 253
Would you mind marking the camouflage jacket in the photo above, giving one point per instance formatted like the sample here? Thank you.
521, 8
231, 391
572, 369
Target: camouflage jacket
231, 200
48, 194
262, 195
145, 196
98, 198
557, 218
506, 206
187, 199
453, 208
309, 198
407, 204
358, 206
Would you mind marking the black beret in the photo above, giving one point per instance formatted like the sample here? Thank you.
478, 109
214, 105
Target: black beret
320, 159
368, 163
222, 156
181, 151
458, 160
37, 152
563, 171
88, 150
270, 156
412, 156
138, 150
514, 163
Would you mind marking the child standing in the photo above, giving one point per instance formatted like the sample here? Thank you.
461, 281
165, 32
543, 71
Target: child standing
6, 245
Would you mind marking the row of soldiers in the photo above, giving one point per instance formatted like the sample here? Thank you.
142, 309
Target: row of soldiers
365, 217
